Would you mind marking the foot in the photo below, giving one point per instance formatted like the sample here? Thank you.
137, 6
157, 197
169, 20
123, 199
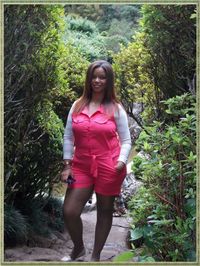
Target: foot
95, 258
77, 253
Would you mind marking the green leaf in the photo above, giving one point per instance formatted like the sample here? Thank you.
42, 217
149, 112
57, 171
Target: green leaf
146, 259
125, 256
160, 222
136, 233
146, 146
190, 207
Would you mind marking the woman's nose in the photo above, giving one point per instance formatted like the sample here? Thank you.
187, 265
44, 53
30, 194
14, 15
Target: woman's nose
97, 79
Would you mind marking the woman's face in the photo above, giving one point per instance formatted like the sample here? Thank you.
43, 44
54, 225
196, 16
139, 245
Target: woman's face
99, 80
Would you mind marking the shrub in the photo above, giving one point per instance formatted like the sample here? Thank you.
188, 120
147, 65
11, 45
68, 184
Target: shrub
137, 166
54, 208
15, 226
44, 214
163, 210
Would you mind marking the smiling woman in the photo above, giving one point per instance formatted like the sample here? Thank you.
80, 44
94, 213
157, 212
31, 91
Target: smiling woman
99, 80
98, 135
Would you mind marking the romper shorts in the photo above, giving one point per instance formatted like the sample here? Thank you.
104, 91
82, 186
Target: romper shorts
97, 149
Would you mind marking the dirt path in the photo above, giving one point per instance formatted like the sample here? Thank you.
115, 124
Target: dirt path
117, 239
60, 245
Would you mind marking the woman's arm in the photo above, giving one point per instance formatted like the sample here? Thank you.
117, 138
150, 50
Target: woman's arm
68, 148
124, 134
68, 139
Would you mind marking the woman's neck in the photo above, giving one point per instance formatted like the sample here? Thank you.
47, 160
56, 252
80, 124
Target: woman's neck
97, 99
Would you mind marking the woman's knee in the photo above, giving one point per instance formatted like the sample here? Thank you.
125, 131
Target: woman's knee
105, 204
105, 209
71, 213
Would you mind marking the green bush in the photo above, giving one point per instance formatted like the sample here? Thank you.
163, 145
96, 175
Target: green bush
81, 25
54, 208
84, 35
40, 216
15, 227
43, 76
163, 210
137, 166
44, 215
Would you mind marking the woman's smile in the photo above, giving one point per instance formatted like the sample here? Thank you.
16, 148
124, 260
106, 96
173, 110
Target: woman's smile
99, 80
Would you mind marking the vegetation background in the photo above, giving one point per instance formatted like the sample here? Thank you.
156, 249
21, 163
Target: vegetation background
153, 51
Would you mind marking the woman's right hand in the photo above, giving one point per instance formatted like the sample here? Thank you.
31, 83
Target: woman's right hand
65, 173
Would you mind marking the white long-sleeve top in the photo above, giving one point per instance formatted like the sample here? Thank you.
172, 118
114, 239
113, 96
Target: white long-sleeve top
122, 131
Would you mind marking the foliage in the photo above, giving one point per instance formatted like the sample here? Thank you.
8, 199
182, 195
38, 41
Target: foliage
125, 256
42, 79
25, 85
119, 33
103, 15
116, 23
54, 208
84, 35
163, 210
72, 68
170, 37
137, 166
14, 232
40, 216
133, 78
156, 65
44, 214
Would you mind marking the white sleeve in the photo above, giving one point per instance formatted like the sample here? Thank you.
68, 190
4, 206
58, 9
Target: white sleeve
68, 139
121, 121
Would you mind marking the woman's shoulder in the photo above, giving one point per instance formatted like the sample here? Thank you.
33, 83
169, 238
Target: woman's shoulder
78, 106
74, 104
120, 108
119, 105
120, 113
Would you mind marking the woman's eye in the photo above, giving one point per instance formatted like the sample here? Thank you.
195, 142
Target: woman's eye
98, 77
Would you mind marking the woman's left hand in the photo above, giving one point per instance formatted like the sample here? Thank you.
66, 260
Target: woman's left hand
119, 166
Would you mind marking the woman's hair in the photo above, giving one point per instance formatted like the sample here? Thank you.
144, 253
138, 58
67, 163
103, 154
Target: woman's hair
110, 98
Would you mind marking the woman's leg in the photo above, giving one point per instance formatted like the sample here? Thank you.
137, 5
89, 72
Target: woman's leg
75, 200
104, 223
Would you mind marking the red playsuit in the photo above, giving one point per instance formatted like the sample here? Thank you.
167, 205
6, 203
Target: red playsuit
97, 149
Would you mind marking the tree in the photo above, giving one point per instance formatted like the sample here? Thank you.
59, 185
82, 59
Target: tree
155, 65
116, 23
170, 36
84, 35
164, 208
134, 79
39, 88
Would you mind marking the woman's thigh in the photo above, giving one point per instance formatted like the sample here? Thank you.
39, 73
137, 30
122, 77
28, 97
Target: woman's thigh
75, 200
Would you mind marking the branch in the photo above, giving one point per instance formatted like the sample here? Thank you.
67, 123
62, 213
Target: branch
166, 201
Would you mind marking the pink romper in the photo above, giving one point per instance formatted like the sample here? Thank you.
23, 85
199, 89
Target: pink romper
97, 149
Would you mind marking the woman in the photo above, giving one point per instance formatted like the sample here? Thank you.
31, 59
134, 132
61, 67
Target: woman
96, 147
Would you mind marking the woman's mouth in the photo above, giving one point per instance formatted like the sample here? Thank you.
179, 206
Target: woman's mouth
96, 86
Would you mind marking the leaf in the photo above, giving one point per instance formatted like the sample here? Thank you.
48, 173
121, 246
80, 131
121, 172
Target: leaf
146, 146
125, 256
190, 207
146, 259
193, 16
160, 222
136, 234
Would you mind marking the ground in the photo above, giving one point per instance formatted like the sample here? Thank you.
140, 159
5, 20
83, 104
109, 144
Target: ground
60, 245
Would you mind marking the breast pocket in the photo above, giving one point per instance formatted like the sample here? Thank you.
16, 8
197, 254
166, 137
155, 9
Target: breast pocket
79, 119
79, 125
100, 119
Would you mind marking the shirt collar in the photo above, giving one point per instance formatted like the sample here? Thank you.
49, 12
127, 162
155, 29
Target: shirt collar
100, 110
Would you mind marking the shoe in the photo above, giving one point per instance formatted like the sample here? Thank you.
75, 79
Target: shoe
66, 259
69, 258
